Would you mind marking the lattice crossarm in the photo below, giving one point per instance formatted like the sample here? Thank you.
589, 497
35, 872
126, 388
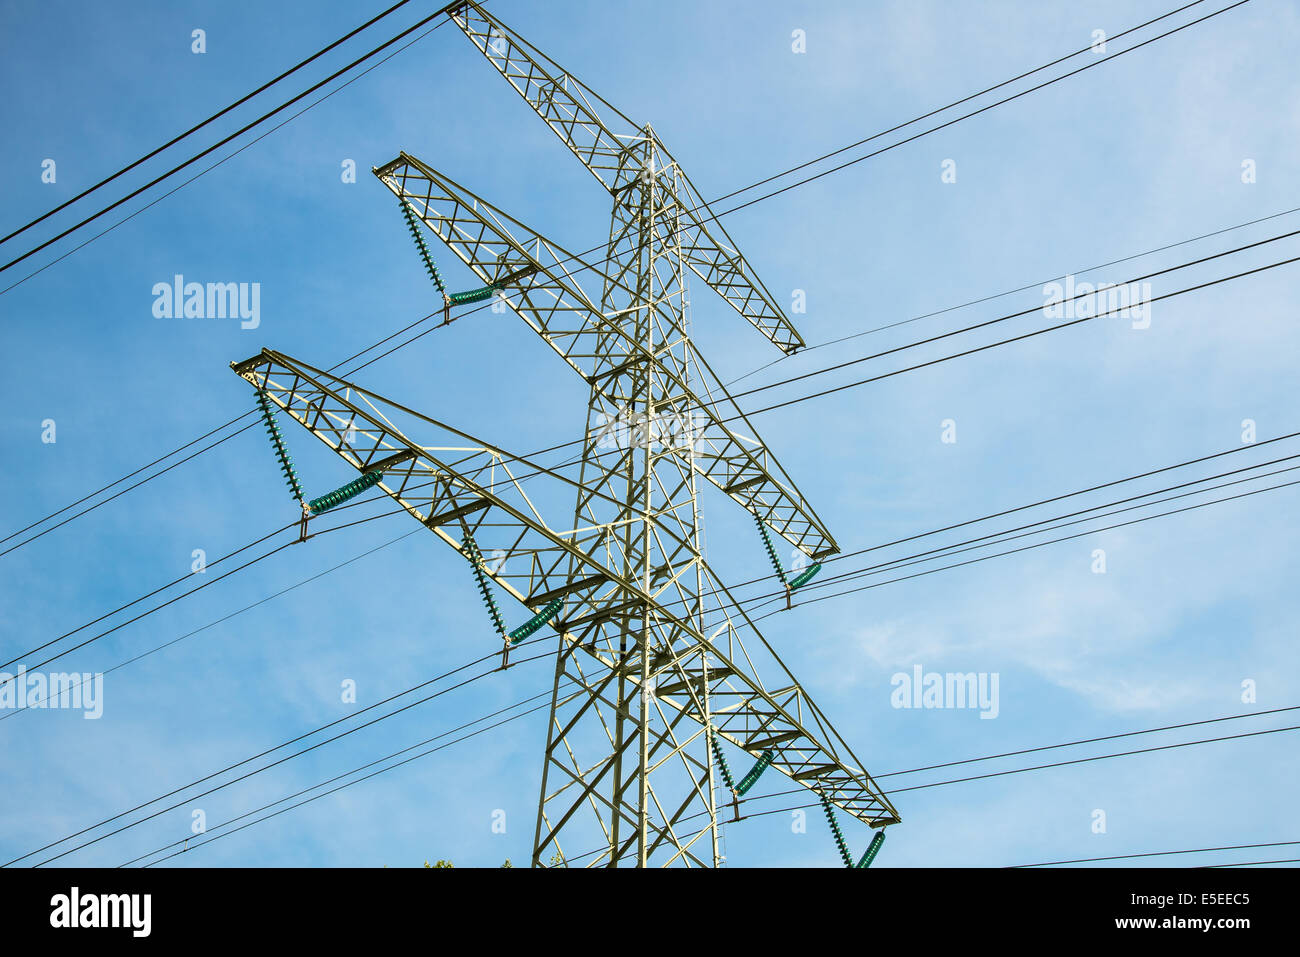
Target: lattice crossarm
759, 722
572, 110
539, 280
448, 488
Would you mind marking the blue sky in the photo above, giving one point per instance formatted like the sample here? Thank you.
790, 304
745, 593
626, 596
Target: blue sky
1135, 154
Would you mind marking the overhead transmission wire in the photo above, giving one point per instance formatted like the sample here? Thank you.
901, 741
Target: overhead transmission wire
877, 777
944, 551
267, 767
198, 126
1025, 548
1001, 295
222, 142
1040, 767
1188, 850
1020, 338
210, 581
753, 602
742, 415
185, 841
133, 214
1069, 744
448, 7
1020, 752
206, 583
944, 109
243, 415
1056, 747
1057, 764
597, 248
1272, 711
149, 594
1284, 860
984, 109
1039, 527
161, 605
261, 601
1052, 499
1098, 315
1009, 81
1027, 312
268, 751
757, 601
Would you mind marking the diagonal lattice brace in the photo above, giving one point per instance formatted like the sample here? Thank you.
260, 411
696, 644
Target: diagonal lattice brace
552, 302
462, 478
574, 113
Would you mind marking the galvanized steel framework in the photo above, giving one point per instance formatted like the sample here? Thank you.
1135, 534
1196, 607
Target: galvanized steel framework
652, 650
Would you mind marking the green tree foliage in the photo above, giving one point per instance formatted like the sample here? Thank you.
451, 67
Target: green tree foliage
442, 863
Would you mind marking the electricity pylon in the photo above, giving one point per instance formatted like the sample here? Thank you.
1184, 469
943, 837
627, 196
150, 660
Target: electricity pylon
657, 665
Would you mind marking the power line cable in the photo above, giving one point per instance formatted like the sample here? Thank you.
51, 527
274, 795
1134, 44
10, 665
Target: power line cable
171, 601
334, 790
984, 109
276, 763
1040, 767
222, 142
1189, 850
262, 754
233, 614
1055, 498
1285, 860
1037, 528
1025, 548
1083, 296
1011, 292
735, 192
977, 777
214, 117
150, 594
1028, 335
944, 109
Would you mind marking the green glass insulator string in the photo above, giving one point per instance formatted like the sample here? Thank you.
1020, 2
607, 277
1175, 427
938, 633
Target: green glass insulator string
870, 854
277, 444
722, 761
771, 550
835, 830
532, 625
750, 779
429, 264
805, 576
473, 295
475, 558
344, 493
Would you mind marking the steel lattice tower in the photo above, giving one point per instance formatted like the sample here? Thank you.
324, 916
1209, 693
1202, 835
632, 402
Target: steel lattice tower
657, 664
